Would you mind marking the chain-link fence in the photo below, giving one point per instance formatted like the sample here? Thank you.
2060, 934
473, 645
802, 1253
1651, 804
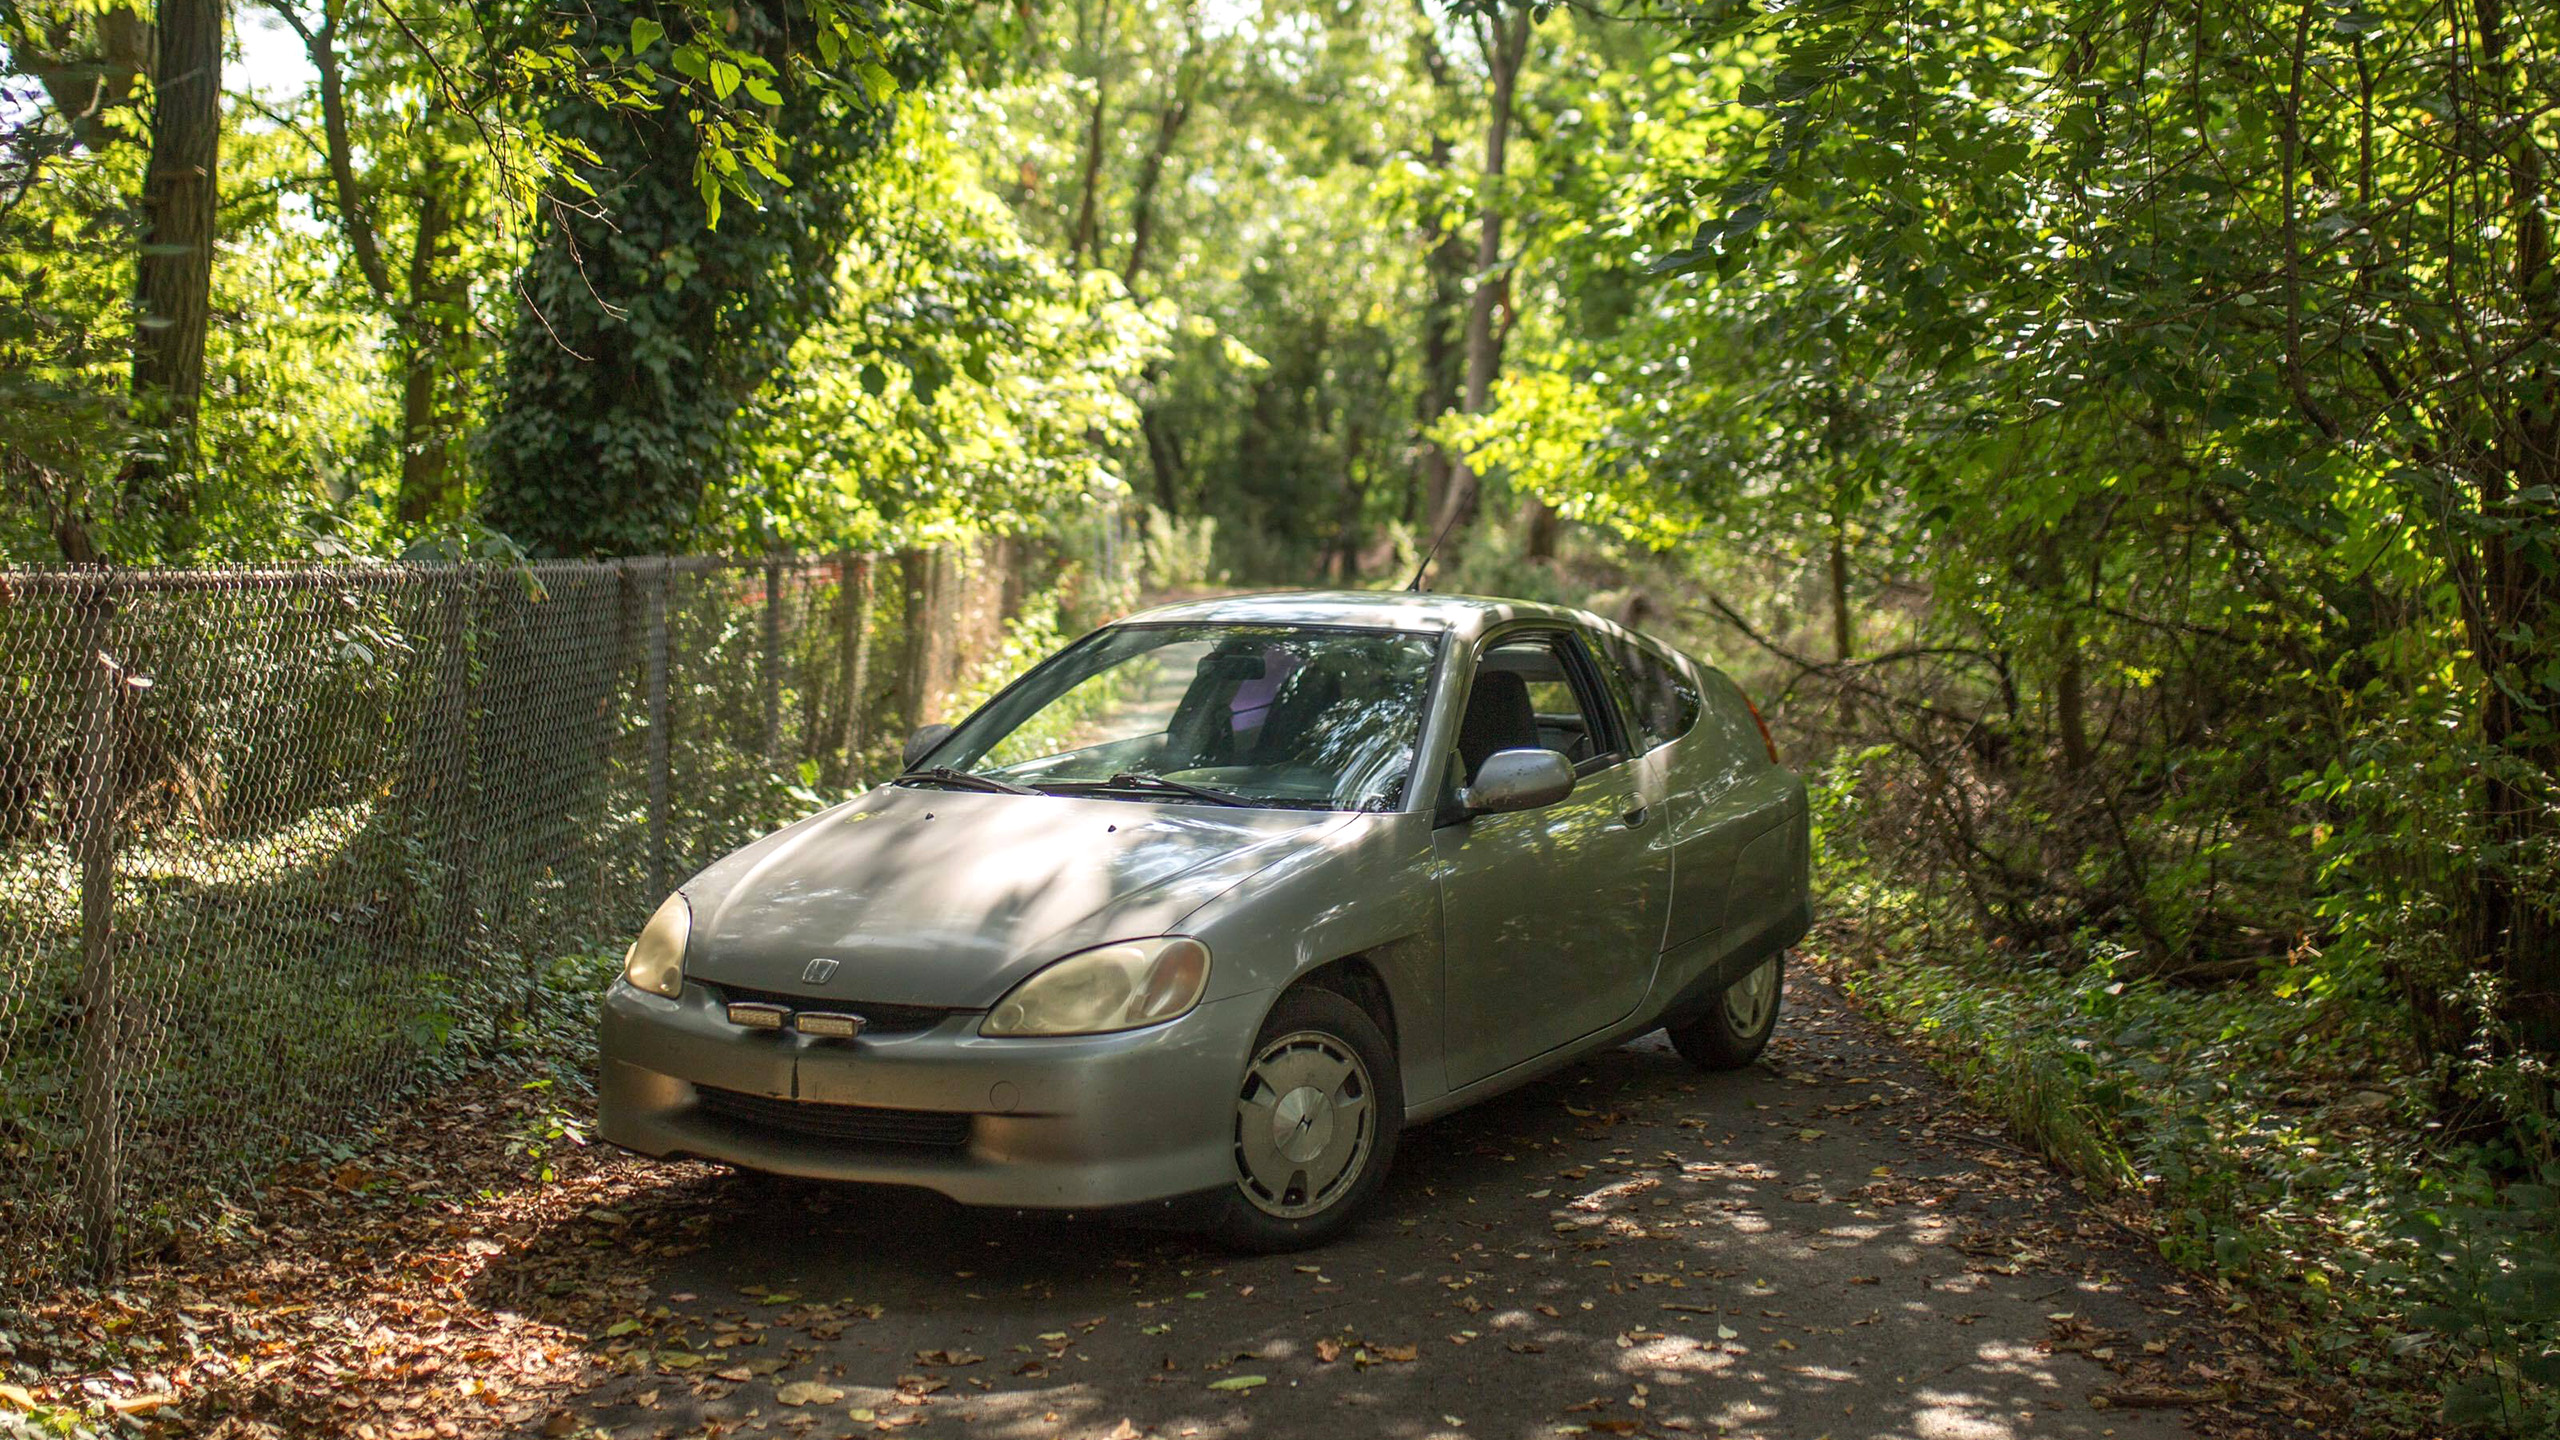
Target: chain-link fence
270, 839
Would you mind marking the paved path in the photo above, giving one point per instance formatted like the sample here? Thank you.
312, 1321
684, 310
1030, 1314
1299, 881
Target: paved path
1824, 1245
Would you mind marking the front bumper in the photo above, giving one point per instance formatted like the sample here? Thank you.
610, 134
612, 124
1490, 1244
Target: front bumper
1084, 1122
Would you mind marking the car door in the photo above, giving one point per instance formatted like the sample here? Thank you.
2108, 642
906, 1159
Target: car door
1703, 761
1551, 918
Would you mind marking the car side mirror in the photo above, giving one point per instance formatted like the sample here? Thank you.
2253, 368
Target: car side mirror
922, 743
1522, 779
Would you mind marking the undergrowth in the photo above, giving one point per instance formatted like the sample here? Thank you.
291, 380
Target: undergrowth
2276, 1133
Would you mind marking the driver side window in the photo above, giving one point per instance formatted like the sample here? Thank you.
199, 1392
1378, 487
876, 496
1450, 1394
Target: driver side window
1533, 691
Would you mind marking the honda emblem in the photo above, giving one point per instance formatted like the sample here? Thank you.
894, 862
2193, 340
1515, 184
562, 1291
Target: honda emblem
819, 972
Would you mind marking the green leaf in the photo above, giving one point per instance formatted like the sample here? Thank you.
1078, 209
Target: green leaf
1239, 1382
645, 32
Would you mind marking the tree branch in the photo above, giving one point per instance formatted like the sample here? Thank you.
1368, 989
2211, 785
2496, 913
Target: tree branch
322, 45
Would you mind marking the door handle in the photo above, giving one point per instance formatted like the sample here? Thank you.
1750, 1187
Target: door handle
1634, 819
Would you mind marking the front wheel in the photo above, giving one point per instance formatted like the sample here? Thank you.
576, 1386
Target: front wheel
1315, 1125
1736, 1028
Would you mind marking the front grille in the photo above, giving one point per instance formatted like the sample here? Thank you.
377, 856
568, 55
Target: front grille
876, 1019
859, 1124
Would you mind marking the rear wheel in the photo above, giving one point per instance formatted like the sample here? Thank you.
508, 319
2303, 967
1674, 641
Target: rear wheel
1316, 1121
1736, 1028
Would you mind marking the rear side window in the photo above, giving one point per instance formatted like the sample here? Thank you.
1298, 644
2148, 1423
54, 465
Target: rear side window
1663, 704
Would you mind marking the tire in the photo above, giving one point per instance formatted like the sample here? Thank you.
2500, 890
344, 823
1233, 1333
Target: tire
1306, 1194
1737, 1027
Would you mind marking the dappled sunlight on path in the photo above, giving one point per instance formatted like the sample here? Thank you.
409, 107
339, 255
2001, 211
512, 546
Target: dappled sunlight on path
1822, 1245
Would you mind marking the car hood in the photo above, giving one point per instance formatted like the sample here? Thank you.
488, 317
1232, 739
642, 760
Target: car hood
949, 898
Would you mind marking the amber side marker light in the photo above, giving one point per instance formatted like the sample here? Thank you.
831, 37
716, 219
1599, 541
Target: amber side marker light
1764, 729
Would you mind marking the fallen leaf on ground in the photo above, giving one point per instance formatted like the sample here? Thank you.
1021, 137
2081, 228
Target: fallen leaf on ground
1240, 1382
807, 1392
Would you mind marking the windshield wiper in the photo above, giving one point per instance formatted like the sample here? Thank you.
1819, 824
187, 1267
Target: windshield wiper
1132, 780
964, 779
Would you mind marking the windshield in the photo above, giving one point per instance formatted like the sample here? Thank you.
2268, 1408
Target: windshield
1271, 714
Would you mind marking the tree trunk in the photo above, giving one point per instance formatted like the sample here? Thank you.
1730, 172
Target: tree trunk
423, 309
2518, 915
2515, 932
353, 214
87, 82
2071, 699
1444, 263
1164, 447
1169, 122
1841, 636
1086, 245
1540, 527
1164, 453
1164, 450
173, 273
1445, 266
1507, 45
424, 468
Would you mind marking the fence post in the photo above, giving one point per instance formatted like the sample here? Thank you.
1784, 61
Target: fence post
769, 659
456, 787
855, 586
658, 736
101, 1027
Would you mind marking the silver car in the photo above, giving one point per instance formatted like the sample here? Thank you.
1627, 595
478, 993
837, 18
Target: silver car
1214, 902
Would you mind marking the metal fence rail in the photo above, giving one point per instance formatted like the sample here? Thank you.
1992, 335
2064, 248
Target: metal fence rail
272, 838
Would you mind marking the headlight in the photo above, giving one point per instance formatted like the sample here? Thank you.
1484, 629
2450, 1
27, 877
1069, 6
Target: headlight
1114, 987
655, 961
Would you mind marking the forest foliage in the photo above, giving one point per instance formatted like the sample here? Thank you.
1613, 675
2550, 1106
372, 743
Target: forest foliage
2119, 442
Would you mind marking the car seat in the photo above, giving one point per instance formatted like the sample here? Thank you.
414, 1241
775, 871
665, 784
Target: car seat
1498, 717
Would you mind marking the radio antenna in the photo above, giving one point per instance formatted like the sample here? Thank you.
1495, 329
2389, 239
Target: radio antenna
1415, 584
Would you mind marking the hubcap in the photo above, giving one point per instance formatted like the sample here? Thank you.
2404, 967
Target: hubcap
1748, 1001
1305, 1123
1302, 1124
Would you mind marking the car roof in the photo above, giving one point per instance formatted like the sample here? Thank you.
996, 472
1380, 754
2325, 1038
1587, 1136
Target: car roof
1466, 616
